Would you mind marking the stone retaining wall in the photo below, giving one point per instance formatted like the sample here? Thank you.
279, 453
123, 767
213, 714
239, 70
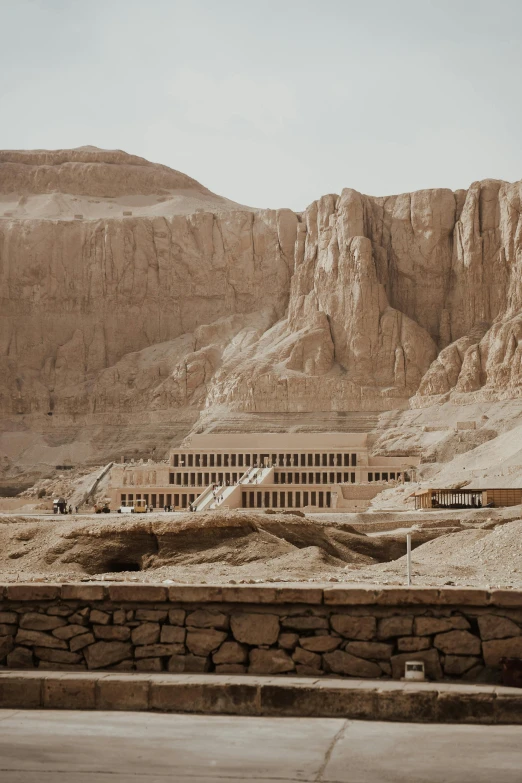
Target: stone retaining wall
337, 631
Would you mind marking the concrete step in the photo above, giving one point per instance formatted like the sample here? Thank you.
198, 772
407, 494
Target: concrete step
214, 694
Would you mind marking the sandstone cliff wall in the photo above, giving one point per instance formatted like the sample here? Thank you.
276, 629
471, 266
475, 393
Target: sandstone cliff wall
78, 296
418, 293
360, 303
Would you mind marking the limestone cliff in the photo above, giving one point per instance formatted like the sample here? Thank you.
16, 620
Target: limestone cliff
82, 296
484, 304
130, 291
87, 171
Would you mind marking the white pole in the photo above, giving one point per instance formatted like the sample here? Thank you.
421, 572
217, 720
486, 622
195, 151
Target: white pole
408, 557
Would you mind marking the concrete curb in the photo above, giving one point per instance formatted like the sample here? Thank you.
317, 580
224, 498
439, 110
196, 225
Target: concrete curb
262, 696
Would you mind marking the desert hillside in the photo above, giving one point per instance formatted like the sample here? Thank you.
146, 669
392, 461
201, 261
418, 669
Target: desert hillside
138, 306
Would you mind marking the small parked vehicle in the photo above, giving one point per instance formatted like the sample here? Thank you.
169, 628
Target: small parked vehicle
133, 507
102, 507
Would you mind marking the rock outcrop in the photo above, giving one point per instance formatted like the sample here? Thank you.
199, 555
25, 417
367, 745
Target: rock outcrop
158, 297
88, 171
484, 303
79, 296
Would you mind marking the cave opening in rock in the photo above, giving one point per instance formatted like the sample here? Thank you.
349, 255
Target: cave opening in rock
119, 566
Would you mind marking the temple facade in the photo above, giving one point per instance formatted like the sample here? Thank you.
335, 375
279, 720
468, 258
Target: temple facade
310, 471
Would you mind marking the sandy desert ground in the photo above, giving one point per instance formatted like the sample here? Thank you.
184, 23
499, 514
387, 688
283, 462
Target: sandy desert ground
482, 548
125, 333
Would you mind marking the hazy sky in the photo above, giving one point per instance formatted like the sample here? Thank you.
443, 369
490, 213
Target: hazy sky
273, 102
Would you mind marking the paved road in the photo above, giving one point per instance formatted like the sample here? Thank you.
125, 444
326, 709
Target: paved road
110, 747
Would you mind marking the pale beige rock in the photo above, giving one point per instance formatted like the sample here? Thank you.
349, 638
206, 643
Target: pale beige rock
87, 171
214, 277
358, 304
366, 305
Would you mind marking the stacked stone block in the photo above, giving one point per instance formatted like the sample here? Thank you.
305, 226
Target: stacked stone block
459, 634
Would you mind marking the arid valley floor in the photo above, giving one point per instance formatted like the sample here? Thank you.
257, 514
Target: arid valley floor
481, 549
188, 313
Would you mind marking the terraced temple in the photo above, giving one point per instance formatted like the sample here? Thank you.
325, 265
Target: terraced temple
298, 470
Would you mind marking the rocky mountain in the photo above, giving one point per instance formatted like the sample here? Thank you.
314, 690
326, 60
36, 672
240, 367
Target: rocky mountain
133, 299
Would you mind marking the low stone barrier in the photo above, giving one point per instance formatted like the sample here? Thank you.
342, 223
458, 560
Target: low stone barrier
300, 630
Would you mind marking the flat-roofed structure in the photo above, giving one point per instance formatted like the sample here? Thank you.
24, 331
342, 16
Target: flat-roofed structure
467, 498
262, 470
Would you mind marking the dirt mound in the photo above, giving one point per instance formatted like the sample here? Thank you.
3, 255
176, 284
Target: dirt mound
493, 548
248, 547
216, 545
485, 557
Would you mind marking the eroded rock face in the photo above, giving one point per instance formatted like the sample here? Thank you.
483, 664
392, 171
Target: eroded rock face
83, 300
418, 292
87, 171
342, 345
197, 303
